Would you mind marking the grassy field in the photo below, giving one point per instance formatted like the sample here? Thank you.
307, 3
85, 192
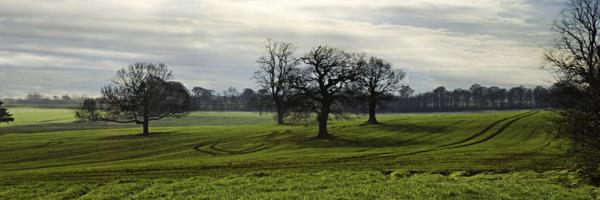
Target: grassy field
500, 155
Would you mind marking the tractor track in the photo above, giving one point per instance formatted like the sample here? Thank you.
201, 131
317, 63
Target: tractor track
213, 150
485, 130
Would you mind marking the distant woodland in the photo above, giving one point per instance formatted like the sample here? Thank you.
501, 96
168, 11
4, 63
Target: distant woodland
477, 97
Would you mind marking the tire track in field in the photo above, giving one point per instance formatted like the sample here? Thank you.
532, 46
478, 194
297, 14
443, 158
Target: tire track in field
486, 129
268, 141
213, 150
498, 132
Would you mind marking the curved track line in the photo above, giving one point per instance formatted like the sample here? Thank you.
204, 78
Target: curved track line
214, 148
498, 132
215, 151
198, 148
486, 129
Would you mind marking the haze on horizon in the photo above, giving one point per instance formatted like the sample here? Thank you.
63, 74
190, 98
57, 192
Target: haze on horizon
74, 47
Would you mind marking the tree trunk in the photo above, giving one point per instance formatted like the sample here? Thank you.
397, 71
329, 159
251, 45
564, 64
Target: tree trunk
146, 132
322, 119
280, 117
372, 106
279, 109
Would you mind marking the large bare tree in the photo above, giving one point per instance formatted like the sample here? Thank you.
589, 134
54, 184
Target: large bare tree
276, 68
377, 80
140, 93
324, 83
575, 61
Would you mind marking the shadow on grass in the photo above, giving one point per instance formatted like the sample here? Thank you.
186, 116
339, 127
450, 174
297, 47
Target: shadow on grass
69, 126
405, 127
137, 136
345, 141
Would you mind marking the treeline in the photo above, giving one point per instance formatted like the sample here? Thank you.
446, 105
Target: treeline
43, 100
477, 97
229, 100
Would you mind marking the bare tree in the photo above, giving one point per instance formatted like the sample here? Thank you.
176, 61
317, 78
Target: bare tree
142, 92
324, 83
377, 80
276, 68
575, 61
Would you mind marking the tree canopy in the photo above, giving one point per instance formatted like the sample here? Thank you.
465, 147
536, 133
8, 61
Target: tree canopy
140, 93
324, 83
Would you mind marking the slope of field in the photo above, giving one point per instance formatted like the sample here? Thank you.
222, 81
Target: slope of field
212, 155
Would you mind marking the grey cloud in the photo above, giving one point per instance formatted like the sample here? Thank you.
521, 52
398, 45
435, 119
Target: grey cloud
75, 46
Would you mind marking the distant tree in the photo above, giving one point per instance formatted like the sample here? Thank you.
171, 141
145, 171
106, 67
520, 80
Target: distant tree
541, 96
34, 97
476, 91
230, 96
247, 99
201, 98
404, 92
494, 96
516, 97
575, 61
140, 93
324, 83
66, 98
5, 116
263, 101
89, 110
377, 79
276, 68
439, 97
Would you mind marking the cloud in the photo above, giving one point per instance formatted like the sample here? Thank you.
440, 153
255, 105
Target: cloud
75, 46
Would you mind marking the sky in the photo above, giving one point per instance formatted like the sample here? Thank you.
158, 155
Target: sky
74, 47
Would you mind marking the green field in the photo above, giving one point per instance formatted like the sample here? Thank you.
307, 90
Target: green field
500, 155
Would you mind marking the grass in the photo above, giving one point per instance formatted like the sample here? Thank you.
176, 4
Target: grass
243, 155
29, 116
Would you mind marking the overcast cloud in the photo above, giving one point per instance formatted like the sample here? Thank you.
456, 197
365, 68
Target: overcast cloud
74, 47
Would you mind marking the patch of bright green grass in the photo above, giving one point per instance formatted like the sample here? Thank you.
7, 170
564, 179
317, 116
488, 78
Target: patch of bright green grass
29, 116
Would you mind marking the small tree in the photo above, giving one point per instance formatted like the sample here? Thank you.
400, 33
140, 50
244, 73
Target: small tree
139, 94
88, 110
377, 80
5, 116
276, 68
324, 84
